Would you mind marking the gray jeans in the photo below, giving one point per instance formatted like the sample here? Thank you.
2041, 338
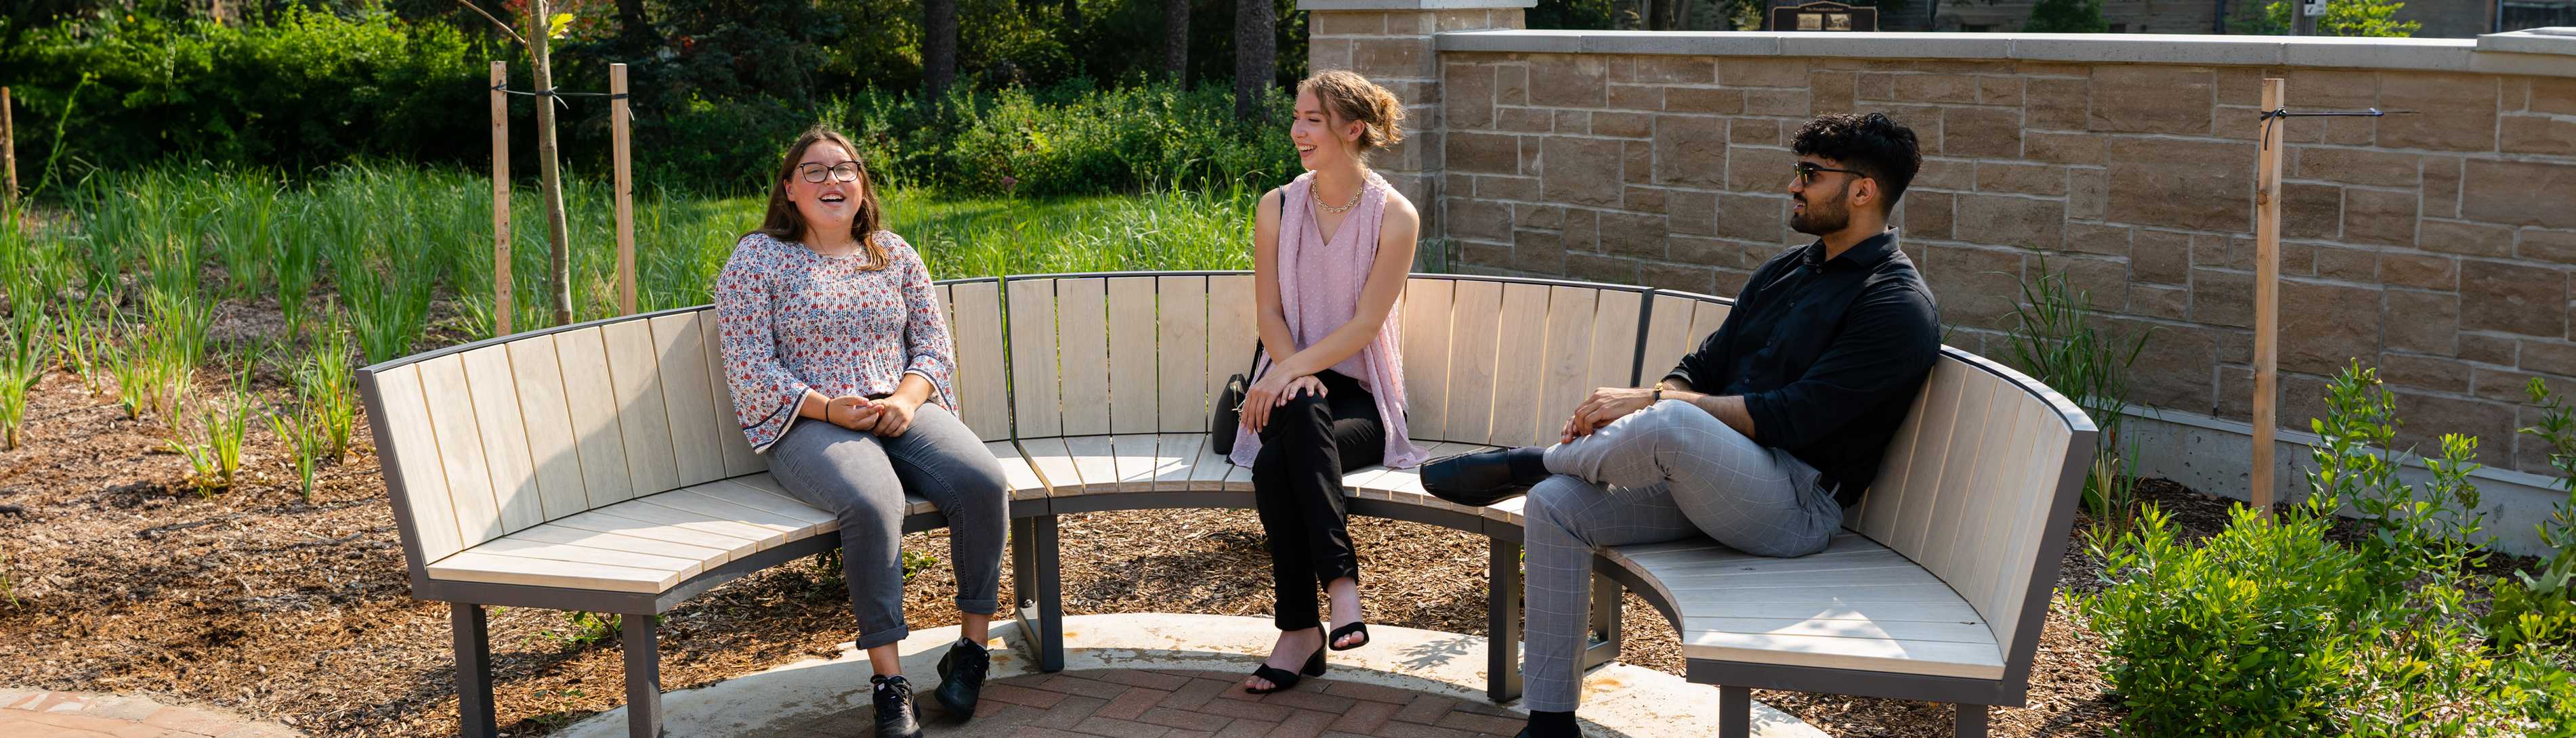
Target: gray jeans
862, 478
1667, 472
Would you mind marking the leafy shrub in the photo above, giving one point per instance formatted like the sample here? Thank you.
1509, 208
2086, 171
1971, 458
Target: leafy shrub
2273, 629
2240, 636
2542, 609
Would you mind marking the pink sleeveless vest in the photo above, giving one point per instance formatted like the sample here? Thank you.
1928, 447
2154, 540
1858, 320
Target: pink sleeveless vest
1319, 290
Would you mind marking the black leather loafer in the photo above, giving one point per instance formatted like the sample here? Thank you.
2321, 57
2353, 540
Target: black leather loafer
1474, 479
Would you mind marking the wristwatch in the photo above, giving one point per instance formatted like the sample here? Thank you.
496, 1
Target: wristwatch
1659, 395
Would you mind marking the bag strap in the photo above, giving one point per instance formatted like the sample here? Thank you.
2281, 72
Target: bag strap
1251, 371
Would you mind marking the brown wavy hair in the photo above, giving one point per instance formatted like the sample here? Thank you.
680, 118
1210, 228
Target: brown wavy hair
782, 222
1347, 96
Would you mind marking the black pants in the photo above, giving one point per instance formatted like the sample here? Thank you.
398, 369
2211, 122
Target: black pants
1297, 487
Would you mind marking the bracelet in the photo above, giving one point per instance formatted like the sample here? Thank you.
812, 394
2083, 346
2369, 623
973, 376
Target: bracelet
1659, 396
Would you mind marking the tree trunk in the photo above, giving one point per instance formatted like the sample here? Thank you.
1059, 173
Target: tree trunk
633, 24
1176, 41
551, 172
938, 46
1256, 55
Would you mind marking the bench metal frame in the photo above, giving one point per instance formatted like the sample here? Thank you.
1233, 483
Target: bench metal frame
1036, 555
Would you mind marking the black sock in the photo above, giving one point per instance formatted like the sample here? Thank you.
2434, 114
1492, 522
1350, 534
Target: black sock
1529, 464
1544, 724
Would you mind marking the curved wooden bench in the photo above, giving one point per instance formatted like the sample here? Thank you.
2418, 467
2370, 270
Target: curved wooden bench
597, 467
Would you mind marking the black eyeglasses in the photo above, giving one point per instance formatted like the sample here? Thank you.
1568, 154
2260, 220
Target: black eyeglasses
1806, 171
847, 171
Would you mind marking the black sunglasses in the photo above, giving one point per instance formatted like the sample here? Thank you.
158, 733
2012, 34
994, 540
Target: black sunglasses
1806, 171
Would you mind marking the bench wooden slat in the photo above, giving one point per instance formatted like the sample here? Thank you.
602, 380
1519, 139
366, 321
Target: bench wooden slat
1053, 464
680, 343
731, 444
1930, 591
644, 418
1426, 356
761, 500
1697, 562
525, 548
1934, 542
1135, 402
1908, 506
406, 423
460, 450
1614, 331
1181, 330
1136, 460
1082, 346
1180, 455
1034, 412
1706, 317
505, 437
688, 501
979, 384
1667, 335
1233, 327
1476, 311
1930, 658
764, 537
499, 569
1520, 348
1096, 460
1931, 612
583, 357
734, 546
1568, 363
1207, 469
547, 417
1023, 479
1980, 540
2052, 441
1889, 630
622, 543
1236, 479
1876, 514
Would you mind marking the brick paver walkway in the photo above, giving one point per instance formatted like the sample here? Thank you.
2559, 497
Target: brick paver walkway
1125, 703
32, 714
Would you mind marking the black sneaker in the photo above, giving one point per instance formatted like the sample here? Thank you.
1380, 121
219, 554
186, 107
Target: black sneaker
896, 717
961, 677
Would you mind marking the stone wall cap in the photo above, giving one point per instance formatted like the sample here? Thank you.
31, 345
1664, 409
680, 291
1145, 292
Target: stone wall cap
2551, 40
1312, 5
2539, 52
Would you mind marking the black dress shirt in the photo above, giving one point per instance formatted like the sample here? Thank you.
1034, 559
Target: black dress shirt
1828, 355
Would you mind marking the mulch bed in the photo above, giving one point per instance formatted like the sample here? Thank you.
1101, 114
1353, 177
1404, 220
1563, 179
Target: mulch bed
254, 600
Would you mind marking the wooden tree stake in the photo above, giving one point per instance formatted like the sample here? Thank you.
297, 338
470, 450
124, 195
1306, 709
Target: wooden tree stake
501, 307
8, 148
2267, 293
619, 116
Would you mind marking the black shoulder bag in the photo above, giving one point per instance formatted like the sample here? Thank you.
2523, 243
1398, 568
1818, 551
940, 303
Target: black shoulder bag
1226, 413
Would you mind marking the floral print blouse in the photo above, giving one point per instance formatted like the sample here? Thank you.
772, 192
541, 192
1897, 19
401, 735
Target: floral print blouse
795, 320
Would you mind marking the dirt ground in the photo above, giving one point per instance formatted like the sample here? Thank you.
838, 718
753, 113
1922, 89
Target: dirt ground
120, 578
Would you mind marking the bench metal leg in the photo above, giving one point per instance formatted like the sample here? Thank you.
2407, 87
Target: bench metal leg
1038, 593
1972, 721
1604, 645
1734, 712
473, 670
643, 676
1503, 622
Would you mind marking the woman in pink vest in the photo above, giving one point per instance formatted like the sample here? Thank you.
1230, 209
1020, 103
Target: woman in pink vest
1330, 253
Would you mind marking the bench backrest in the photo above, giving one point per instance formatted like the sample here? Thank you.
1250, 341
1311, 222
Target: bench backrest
490, 438
486, 439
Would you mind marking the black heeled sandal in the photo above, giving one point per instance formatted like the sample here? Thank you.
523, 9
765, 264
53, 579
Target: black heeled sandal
1333, 640
1282, 679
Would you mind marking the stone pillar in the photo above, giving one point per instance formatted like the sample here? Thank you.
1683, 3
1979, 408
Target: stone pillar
1390, 42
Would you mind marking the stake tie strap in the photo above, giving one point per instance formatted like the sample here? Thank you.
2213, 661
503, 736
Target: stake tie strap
2270, 115
559, 95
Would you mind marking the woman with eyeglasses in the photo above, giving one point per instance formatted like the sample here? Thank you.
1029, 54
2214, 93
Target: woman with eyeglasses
840, 369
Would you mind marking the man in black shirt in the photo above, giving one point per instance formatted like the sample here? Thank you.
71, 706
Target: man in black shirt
1760, 437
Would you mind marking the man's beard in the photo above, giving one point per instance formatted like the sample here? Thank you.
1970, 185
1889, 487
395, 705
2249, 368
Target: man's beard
1821, 216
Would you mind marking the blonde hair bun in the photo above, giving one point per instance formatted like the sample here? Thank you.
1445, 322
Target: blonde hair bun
1348, 96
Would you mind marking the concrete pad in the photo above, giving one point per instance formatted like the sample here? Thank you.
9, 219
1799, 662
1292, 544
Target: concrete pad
1619, 700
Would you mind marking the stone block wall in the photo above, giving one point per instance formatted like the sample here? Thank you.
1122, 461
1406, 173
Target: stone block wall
2438, 245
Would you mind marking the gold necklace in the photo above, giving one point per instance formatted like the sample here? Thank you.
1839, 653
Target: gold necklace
1355, 199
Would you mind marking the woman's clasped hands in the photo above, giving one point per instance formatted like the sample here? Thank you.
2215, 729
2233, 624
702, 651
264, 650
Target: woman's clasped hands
1275, 389
887, 417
